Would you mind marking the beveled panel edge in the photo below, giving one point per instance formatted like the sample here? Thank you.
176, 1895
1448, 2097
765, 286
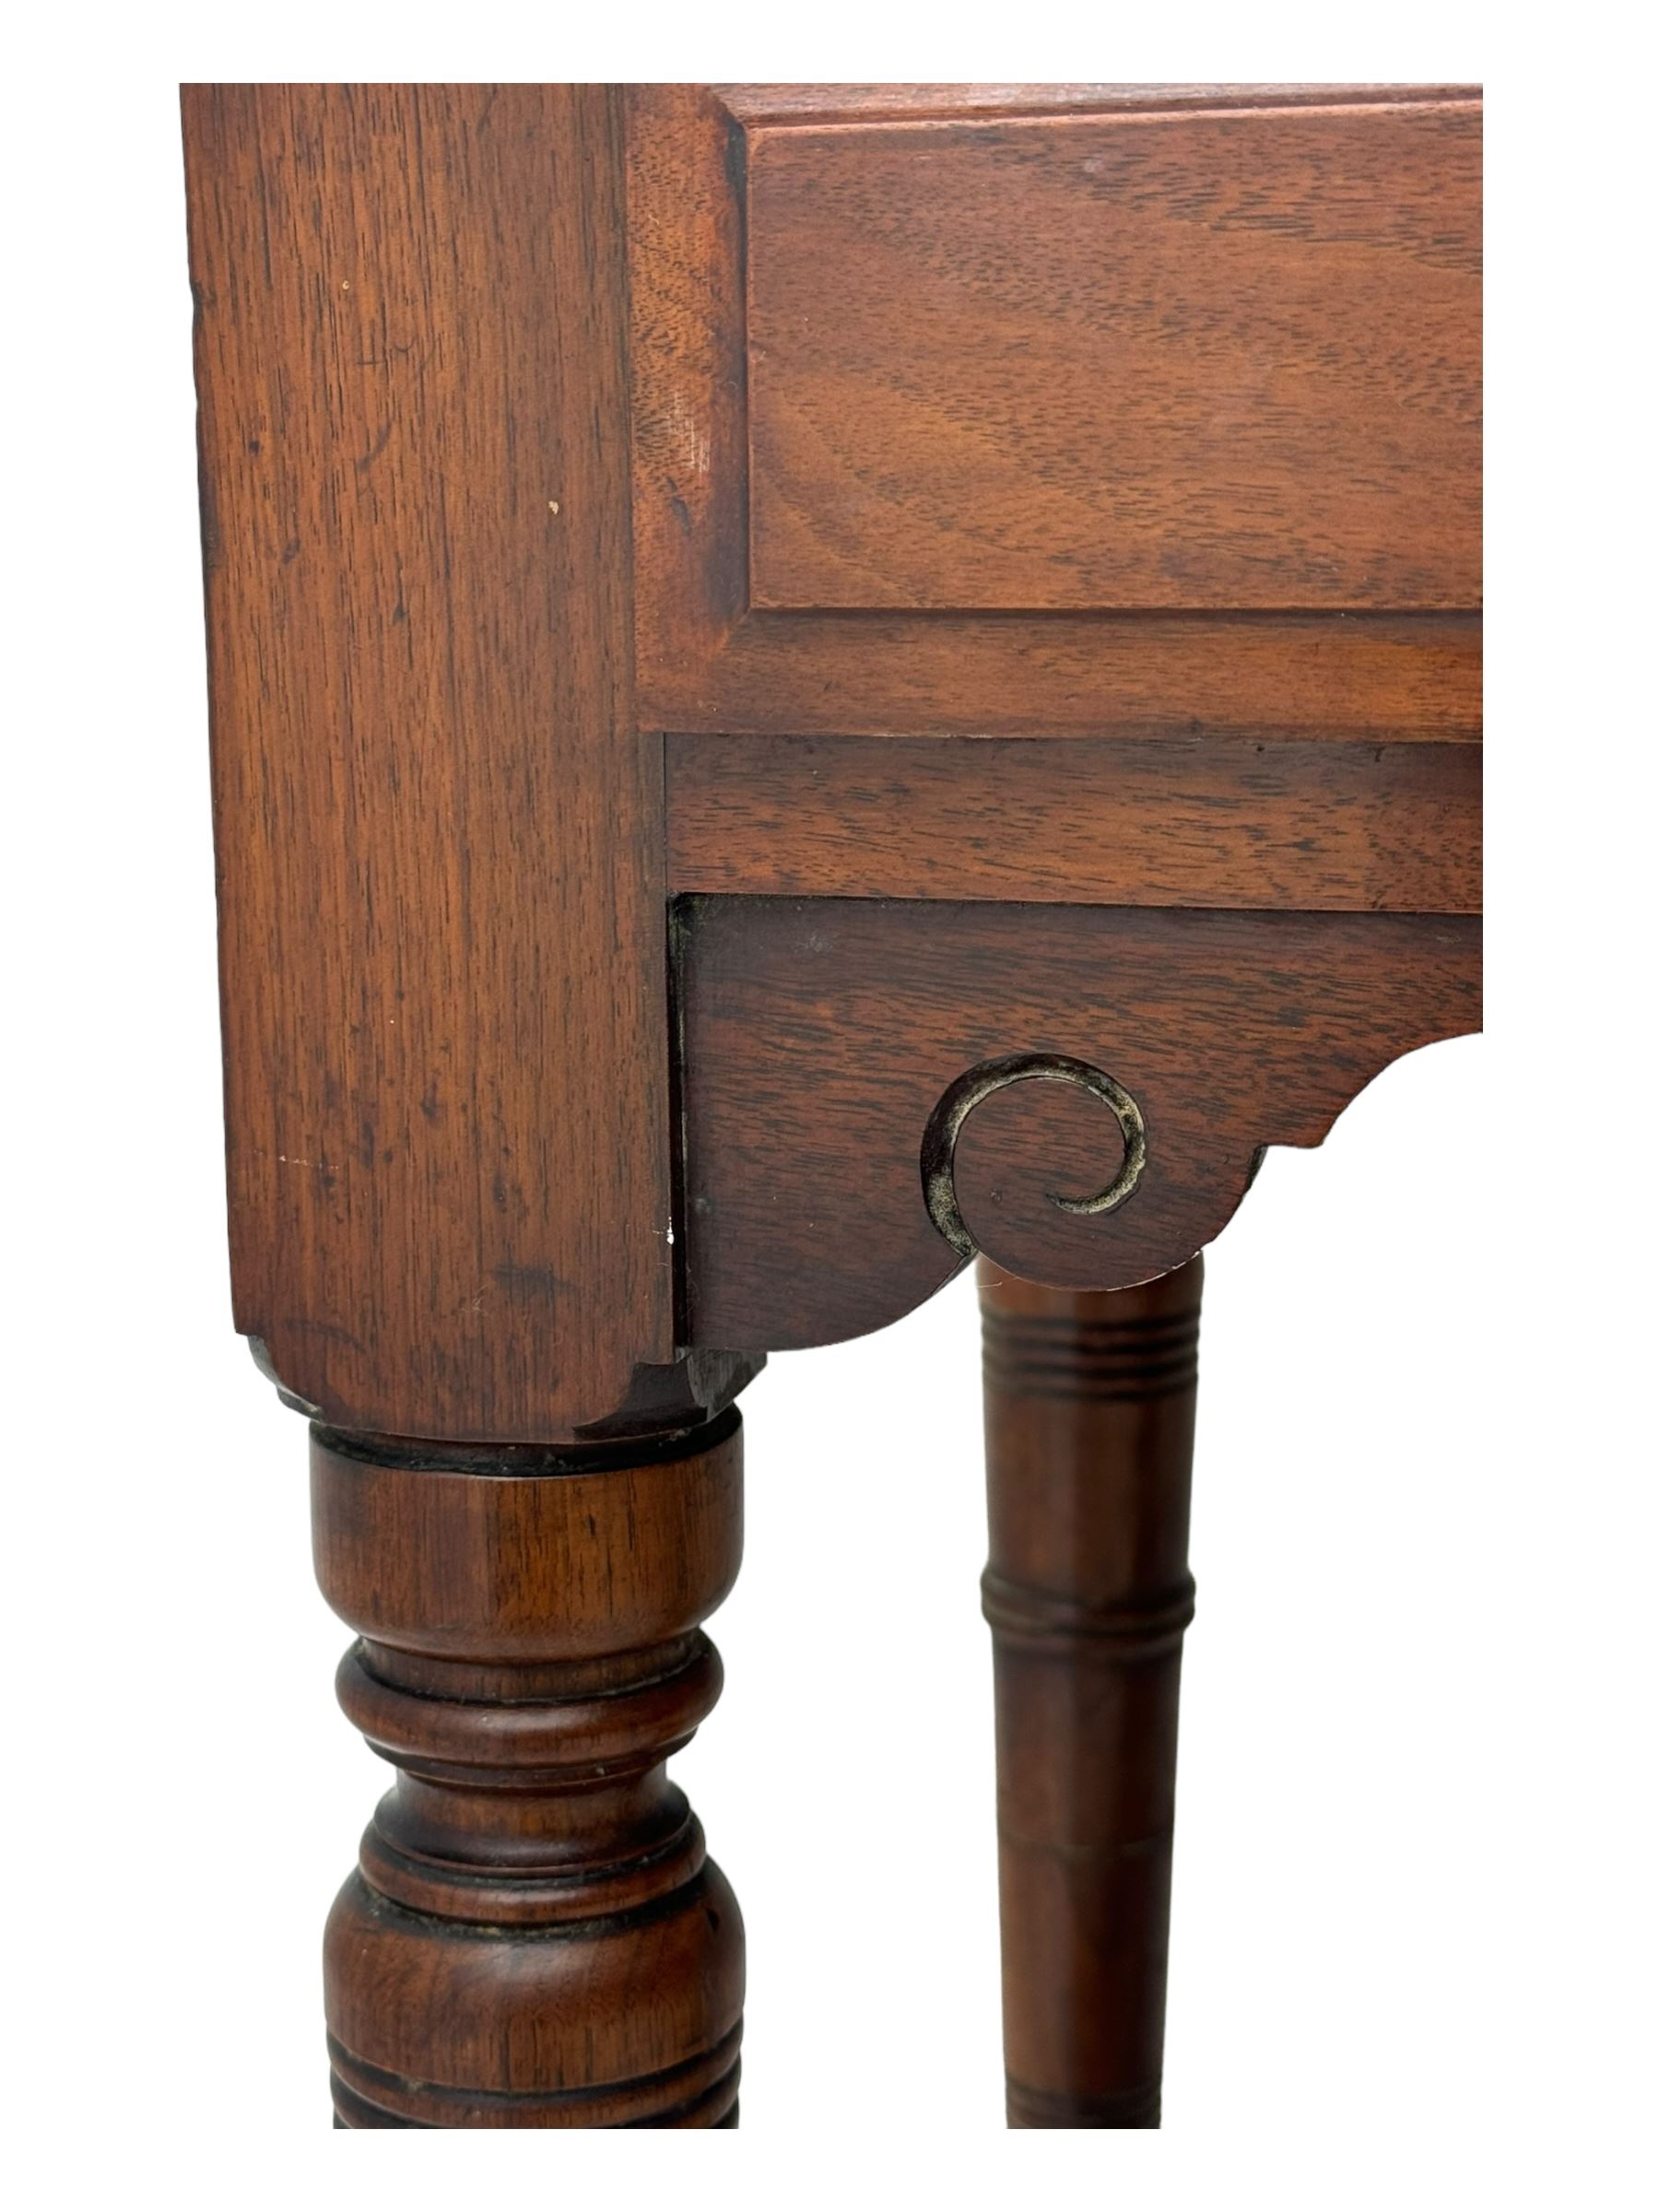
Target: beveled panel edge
782, 107
707, 663
896, 517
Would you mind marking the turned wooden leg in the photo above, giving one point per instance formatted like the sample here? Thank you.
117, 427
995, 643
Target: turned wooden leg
1090, 1400
534, 1937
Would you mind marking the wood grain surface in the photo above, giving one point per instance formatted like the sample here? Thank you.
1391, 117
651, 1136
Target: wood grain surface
1211, 359
1174, 821
438, 835
1089, 1403
712, 660
821, 1035
804, 681
534, 1935
758, 104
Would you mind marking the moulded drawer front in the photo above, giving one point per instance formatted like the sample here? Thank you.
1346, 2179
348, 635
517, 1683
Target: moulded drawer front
1179, 360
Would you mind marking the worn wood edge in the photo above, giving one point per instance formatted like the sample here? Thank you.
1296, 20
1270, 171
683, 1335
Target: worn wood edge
783, 107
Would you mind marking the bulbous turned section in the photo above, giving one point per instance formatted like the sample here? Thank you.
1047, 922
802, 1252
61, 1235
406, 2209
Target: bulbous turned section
535, 1937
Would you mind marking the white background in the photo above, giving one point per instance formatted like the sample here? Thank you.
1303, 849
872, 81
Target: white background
1413, 1949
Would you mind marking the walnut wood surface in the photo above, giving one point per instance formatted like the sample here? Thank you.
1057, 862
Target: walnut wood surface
758, 104
804, 681
1195, 821
1212, 360
444, 855
535, 1937
820, 1036
1089, 1404
711, 659
438, 834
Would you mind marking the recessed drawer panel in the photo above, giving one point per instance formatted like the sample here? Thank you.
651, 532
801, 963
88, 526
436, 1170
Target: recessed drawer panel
1214, 360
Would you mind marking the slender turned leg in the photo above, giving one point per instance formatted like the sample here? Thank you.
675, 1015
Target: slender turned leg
1089, 1432
534, 1937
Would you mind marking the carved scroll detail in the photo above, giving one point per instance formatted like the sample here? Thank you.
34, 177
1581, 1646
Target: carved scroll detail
944, 1126
822, 1036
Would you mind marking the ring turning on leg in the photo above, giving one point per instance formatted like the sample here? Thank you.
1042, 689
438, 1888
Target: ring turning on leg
535, 1937
1090, 1401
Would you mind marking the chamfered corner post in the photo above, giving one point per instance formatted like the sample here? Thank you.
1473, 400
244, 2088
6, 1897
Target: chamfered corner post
1089, 1403
534, 1935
